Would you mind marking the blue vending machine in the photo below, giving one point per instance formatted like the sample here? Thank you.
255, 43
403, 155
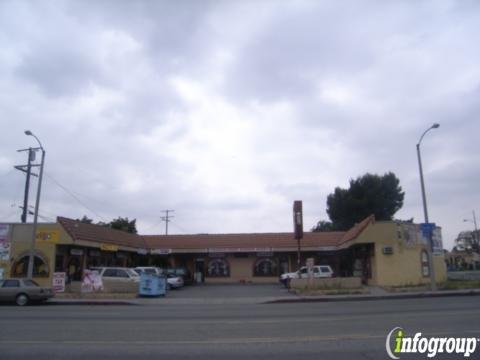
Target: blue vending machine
152, 285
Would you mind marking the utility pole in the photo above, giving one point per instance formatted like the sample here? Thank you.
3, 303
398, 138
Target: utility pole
167, 218
28, 170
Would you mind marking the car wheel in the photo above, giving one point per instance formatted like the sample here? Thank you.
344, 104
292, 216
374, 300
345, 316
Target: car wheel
21, 299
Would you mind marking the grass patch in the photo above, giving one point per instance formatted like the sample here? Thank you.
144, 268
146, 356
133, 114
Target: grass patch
459, 284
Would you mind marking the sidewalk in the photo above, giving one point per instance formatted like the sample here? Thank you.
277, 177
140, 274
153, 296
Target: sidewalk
291, 298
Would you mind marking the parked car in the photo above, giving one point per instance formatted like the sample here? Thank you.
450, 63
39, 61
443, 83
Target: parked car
118, 274
183, 272
174, 281
148, 270
319, 271
23, 291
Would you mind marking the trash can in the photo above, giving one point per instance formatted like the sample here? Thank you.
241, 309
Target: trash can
152, 285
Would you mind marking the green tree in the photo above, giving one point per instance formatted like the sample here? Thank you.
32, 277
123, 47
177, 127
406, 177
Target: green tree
323, 225
85, 220
124, 224
369, 194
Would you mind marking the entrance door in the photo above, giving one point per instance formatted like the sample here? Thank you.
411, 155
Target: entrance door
199, 270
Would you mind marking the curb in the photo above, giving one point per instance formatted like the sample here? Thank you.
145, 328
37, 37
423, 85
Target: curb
333, 298
89, 302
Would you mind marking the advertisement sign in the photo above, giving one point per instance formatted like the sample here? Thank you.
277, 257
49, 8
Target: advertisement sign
58, 282
92, 281
76, 252
109, 247
298, 219
161, 251
411, 234
437, 241
47, 236
4, 242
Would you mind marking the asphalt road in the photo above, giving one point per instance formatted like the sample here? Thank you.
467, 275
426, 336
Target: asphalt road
343, 330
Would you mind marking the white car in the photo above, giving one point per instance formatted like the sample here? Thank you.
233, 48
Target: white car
151, 270
118, 274
319, 271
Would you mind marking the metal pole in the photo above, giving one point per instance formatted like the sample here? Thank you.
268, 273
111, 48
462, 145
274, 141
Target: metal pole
422, 183
27, 187
475, 221
35, 219
431, 266
475, 236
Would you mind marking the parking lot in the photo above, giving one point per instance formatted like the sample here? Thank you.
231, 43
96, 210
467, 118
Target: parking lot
228, 291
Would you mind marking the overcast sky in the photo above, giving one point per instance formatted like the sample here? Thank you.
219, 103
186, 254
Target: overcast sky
228, 111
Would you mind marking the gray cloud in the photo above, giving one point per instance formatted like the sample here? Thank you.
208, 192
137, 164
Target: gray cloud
229, 111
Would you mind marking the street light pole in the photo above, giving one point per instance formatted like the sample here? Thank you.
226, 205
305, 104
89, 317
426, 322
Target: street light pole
425, 211
31, 256
475, 234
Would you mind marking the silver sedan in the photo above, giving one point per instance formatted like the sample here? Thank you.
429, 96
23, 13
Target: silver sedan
23, 291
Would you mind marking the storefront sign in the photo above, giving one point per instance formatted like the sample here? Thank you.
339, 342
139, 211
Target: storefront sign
327, 248
76, 252
58, 282
216, 255
142, 251
4, 242
236, 250
264, 254
109, 247
161, 251
94, 253
47, 236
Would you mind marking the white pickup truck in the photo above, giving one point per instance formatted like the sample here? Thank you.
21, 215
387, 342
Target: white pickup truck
319, 271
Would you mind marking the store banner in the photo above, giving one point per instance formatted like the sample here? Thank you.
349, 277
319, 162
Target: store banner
58, 282
4, 242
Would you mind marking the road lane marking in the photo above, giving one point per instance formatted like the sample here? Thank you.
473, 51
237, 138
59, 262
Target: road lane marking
258, 340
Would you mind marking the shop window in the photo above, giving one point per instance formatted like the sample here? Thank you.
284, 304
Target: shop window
218, 268
265, 267
20, 267
425, 264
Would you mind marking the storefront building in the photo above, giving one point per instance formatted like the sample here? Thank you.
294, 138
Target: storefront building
385, 253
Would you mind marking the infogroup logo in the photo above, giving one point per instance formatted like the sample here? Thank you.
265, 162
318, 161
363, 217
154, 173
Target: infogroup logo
399, 343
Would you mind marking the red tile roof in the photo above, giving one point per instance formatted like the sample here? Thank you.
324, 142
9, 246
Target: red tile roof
97, 233
242, 241
79, 231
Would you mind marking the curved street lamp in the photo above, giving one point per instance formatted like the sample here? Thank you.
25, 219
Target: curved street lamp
31, 256
425, 210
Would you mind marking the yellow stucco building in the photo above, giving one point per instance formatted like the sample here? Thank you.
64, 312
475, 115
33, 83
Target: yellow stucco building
383, 253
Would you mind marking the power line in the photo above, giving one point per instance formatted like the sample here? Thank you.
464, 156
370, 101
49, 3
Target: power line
73, 196
179, 227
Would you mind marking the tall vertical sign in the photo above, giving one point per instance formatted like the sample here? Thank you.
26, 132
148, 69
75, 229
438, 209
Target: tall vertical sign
4, 242
298, 227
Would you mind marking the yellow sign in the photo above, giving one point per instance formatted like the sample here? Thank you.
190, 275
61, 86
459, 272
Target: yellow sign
48, 236
109, 247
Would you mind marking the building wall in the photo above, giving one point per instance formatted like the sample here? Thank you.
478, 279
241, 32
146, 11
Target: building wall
404, 266
241, 270
45, 247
